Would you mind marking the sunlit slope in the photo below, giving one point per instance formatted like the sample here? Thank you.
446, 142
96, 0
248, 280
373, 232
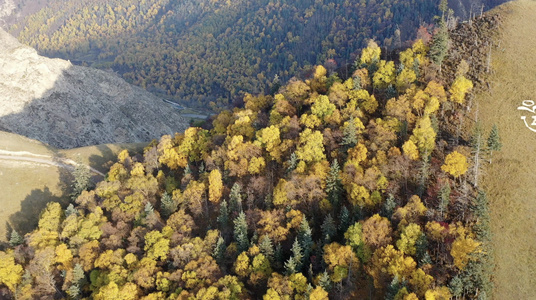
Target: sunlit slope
510, 179
30, 176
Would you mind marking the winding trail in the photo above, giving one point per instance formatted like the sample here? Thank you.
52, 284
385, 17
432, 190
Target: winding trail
43, 159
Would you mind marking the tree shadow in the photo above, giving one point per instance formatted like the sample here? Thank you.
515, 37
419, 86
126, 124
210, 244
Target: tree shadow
27, 218
101, 162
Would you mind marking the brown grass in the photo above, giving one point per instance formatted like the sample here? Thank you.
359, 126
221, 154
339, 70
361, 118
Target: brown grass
26, 187
510, 179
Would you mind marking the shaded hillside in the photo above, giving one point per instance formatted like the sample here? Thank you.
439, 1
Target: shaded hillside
70, 106
210, 51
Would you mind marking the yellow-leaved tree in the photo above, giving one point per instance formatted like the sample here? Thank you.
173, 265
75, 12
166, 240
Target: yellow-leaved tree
10, 272
459, 89
455, 164
215, 186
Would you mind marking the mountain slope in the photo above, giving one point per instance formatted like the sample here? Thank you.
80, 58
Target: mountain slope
209, 51
71, 106
510, 178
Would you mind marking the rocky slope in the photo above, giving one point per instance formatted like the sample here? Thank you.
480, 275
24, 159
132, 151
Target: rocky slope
69, 106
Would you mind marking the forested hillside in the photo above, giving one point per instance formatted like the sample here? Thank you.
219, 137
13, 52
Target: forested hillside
209, 51
330, 188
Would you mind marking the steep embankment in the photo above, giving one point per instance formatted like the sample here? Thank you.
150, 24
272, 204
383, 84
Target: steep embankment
510, 178
32, 174
69, 106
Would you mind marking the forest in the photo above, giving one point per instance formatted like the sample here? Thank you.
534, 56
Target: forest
364, 187
212, 52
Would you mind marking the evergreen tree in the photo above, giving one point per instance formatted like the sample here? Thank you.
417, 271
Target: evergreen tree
324, 281
167, 205
219, 251
333, 183
223, 218
439, 47
349, 132
344, 219
480, 208
235, 198
70, 210
297, 256
15, 239
393, 288
82, 179
149, 209
305, 237
328, 229
291, 266
494, 141
389, 207
241, 232
292, 162
267, 248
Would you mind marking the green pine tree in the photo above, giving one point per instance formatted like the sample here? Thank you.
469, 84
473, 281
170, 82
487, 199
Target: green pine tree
167, 205
305, 237
235, 198
15, 239
333, 183
494, 141
328, 229
223, 218
349, 133
241, 232
219, 251
267, 248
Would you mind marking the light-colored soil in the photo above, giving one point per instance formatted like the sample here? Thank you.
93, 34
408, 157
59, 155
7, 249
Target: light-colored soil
510, 180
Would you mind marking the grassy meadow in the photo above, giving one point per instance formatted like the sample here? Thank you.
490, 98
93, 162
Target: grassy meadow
510, 179
27, 186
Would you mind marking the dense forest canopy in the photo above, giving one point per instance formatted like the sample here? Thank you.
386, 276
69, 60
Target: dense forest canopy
211, 51
353, 188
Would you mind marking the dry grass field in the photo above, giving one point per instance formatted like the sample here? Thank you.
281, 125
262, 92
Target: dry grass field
510, 180
26, 186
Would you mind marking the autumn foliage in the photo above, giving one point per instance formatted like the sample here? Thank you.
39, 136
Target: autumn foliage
330, 188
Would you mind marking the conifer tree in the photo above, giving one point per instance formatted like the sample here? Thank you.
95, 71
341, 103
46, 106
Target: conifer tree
324, 281
167, 205
440, 41
82, 179
328, 229
219, 250
305, 237
241, 232
292, 162
344, 219
15, 239
235, 198
349, 132
267, 248
223, 218
389, 207
297, 254
494, 141
333, 183
70, 210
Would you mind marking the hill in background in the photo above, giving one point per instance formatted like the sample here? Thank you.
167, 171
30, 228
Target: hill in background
69, 106
210, 51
